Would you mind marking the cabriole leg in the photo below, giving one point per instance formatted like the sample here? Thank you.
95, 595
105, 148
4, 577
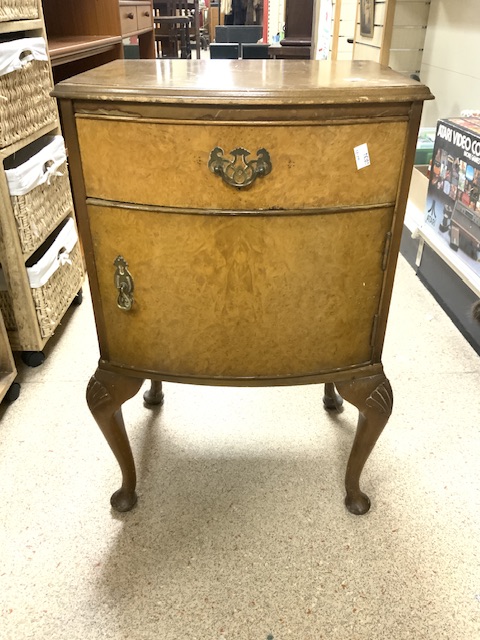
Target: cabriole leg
331, 400
373, 398
106, 392
154, 395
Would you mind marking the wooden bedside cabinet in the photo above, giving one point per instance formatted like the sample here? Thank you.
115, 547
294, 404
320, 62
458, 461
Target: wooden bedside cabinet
241, 222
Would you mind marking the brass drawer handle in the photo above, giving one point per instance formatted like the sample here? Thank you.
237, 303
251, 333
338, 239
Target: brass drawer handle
130, 16
146, 14
123, 283
238, 172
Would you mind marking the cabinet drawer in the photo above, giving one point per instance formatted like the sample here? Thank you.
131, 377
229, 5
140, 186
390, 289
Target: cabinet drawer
234, 296
128, 18
313, 166
144, 17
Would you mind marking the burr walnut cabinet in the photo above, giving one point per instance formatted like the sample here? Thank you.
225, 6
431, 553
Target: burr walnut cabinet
241, 223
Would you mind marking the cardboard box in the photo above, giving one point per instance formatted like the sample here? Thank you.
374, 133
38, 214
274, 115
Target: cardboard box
425, 144
417, 196
453, 205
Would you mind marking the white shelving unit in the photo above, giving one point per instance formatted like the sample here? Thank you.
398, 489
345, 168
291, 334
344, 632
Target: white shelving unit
398, 35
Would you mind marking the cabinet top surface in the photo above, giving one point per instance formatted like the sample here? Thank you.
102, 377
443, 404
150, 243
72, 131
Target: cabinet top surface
243, 82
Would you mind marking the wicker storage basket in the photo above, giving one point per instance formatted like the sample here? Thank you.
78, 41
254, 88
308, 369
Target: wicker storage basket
40, 190
53, 299
55, 278
25, 84
18, 10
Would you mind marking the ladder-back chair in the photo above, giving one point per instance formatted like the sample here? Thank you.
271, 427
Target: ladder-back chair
174, 22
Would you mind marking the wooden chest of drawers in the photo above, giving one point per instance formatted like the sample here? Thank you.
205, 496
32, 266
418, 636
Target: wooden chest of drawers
241, 222
135, 17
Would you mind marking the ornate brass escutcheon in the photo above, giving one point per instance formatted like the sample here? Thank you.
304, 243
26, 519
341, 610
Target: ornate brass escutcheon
238, 172
124, 284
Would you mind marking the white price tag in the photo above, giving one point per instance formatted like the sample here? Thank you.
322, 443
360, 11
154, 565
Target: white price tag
362, 157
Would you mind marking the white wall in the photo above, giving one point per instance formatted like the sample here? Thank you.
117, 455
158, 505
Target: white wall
346, 29
451, 59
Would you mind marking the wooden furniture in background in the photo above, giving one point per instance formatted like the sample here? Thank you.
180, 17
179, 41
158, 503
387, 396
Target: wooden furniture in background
29, 323
298, 29
84, 34
215, 17
275, 265
177, 22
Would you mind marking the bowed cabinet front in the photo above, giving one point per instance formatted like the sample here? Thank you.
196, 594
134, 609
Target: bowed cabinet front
243, 233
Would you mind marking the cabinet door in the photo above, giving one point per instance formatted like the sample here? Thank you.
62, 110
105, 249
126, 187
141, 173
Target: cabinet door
235, 296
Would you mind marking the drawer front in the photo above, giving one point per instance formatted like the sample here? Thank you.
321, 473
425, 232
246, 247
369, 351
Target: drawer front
128, 18
312, 166
144, 17
237, 296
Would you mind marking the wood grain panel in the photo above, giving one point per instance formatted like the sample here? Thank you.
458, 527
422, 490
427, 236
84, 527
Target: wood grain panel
72, 17
236, 296
313, 166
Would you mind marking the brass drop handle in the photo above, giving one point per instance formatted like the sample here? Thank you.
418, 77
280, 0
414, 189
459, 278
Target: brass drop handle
123, 283
146, 14
238, 172
130, 16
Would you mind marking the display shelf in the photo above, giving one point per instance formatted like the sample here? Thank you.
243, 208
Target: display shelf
468, 276
83, 35
71, 48
455, 287
415, 223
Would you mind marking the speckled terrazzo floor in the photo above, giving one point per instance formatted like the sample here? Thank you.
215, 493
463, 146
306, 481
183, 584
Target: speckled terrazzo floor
240, 531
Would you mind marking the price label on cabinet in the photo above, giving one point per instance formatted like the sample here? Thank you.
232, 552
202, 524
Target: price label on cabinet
362, 157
